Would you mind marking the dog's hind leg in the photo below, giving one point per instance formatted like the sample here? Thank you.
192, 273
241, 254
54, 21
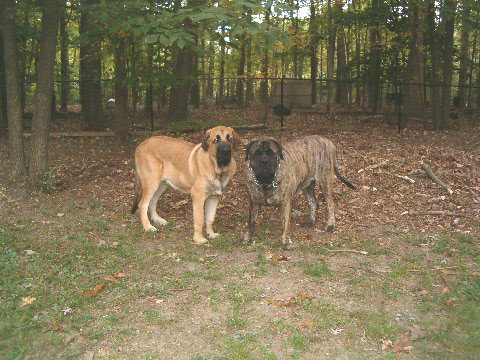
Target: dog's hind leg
150, 180
309, 192
210, 211
152, 207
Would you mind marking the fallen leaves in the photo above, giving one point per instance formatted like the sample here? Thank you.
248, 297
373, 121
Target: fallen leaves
292, 302
271, 256
99, 287
27, 300
402, 344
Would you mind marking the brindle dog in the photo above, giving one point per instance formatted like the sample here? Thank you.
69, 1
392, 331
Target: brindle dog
276, 173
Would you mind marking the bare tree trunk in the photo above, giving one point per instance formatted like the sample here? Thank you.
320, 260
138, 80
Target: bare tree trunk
14, 109
374, 67
134, 78
148, 95
91, 71
314, 38
449, 21
463, 71
221, 87
265, 63
472, 63
121, 91
241, 73
64, 63
180, 91
432, 31
330, 56
211, 68
195, 88
3, 90
357, 59
38, 164
249, 96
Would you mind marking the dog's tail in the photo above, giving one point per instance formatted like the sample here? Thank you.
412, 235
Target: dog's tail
138, 194
337, 172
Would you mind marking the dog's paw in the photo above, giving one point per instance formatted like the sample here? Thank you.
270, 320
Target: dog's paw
160, 221
150, 228
199, 240
213, 235
330, 228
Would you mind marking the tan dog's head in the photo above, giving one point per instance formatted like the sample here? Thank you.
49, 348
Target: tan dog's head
219, 142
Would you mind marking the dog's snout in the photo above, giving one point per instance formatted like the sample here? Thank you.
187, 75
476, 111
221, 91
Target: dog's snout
225, 148
224, 154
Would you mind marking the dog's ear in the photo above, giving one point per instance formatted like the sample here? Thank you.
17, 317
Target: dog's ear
249, 146
279, 147
237, 141
205, 140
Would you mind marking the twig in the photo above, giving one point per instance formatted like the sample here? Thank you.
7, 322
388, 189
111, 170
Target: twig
183, 289
435, 179
350, 251
406, 178
376, 166
438, 213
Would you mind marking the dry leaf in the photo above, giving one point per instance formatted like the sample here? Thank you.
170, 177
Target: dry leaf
447, 272
450, 301
95, 290
121, 275
28, 300
424, 292
309, 324
109, 278
180, 203
445, 290
386, 344
303, 295
402, 344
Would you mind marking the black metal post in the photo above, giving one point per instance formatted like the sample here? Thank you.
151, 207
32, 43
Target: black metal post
151, 105
281, 101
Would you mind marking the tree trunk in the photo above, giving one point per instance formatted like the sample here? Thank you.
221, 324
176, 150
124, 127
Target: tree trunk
195, 96
449, 22
221, 86
14, 109
38, 164
3, 91
249, 95
313, 29
472, 63
463, 71
134, 76
357, 59
121, 91
374, 67
148, 100
432, 32
211, 69
265, 62
180, 91
241, 72
64, 63
91, 71
330, 56
413, 97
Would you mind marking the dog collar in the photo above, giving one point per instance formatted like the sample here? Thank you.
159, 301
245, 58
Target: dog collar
274, 183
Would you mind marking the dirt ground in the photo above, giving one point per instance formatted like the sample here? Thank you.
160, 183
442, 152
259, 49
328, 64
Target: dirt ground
399, 277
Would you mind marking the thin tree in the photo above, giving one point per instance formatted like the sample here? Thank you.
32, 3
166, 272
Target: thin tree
121, 91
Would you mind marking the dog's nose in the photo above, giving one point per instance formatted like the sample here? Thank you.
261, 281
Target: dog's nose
224, 148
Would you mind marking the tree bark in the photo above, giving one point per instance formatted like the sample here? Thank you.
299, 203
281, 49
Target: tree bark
374, 68
211, 69
221, 86
314, 38
463, 71
91, 71
64, 63
180, 91
449, 21
38, 164
330, 56
240, 90
249, 95
413, 97
121, 91
14, 108
357, 60
432, 31
3, 90
148, 100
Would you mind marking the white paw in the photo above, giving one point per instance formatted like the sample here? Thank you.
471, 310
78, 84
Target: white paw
213, 235
160, 221
199, 240
150, 228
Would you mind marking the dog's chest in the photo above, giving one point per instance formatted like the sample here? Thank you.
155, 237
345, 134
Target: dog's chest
219, 184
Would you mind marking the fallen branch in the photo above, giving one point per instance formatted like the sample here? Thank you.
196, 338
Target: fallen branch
435, 179
376, 166
406, 178
437, 213
350, 251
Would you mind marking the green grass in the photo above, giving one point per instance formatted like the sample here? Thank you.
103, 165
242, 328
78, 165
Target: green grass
316, 270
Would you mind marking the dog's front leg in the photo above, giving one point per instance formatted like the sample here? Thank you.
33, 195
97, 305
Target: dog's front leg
286, 210
252, 218
198, 200
210, 211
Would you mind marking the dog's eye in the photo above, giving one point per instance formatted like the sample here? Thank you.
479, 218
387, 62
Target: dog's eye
229, 138
217, 139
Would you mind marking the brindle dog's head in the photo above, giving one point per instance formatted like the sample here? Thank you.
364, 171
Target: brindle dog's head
264, 155
218, 142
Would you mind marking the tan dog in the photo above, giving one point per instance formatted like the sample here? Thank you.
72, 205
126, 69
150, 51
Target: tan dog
202, 170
